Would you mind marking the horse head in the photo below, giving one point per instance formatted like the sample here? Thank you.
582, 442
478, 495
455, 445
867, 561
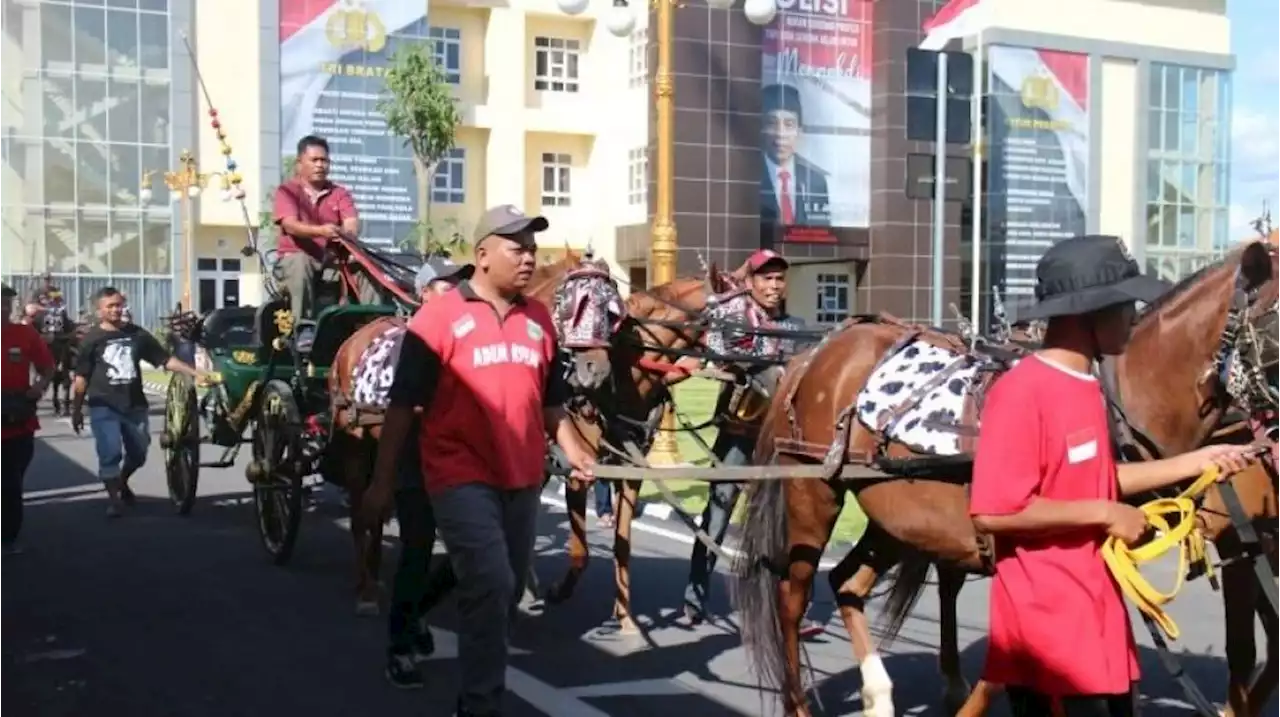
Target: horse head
588, 310
1206, 335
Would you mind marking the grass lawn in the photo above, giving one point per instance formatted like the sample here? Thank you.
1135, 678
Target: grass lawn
696, 400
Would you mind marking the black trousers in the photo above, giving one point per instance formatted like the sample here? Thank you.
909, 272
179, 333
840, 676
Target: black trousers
1024, 702
17, 458
417, 588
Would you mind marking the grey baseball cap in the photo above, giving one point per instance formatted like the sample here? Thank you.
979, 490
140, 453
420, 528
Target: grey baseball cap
505, 220
439, 268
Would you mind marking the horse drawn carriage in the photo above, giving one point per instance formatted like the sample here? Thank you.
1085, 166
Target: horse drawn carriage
269, 389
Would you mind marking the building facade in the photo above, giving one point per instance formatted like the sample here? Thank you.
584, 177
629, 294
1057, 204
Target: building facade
557, 118
89, 92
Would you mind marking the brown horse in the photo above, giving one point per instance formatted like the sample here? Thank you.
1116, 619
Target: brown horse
620, 419
358, 381
1178, 344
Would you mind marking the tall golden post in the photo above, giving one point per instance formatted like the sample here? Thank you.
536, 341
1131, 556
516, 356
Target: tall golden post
185, 184
662, 247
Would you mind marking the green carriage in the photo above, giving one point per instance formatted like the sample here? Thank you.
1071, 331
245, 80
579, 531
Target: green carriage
268, 392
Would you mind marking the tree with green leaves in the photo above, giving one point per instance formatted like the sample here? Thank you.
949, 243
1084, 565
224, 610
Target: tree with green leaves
420, 107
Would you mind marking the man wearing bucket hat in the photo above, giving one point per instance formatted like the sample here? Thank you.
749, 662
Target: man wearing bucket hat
1046, 485
483, 367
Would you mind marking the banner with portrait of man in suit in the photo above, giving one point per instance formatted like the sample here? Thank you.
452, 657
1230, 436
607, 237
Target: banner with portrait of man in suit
815, 135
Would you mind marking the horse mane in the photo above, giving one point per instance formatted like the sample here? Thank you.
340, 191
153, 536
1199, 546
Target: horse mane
644, 303
1180, 288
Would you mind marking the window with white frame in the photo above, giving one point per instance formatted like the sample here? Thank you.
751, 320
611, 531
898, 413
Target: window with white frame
833, 298
449, 185
556, 168
637, 176
638, 58
1188, 169
555, 64
446, 45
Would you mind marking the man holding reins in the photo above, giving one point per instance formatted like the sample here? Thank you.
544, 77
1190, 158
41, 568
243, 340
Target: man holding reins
736, 441
1047, 487
480, 360
311, 211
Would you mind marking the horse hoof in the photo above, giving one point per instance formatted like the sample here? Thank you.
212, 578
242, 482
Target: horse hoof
554, 595
628, 626
367, 608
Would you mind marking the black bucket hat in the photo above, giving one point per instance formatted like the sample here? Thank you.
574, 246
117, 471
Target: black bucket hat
1088, 273
7, 291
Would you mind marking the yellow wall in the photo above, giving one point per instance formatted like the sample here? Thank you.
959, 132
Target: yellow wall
802, 288
1119, 127
472, 23
231, 64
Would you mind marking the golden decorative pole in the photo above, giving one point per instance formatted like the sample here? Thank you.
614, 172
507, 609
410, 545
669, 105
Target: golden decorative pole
662, 245
185, 184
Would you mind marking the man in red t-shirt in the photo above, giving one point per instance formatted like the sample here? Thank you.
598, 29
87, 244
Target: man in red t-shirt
311, 210
1047, 486
482, 362
24, 351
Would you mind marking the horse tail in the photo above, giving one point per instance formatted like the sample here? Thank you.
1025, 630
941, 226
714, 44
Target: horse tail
759, 566
904, 592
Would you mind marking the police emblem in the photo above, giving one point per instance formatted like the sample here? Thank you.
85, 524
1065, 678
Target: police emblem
534, 329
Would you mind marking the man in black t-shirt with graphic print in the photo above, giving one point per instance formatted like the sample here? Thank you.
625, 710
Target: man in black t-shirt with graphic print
108, 376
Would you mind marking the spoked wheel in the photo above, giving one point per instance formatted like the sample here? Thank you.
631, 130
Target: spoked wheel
181, 442
277, 483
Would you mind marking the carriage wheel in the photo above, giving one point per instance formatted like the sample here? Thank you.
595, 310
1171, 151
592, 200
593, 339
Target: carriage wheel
277, 496
181, 441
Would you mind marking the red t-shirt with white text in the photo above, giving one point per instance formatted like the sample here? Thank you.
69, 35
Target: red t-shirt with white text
1058, 621
484, 420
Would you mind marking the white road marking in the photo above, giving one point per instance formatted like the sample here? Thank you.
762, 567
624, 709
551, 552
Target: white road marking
631, 688
677, 536
63, 654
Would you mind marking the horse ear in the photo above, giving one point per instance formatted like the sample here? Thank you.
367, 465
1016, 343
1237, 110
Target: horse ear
1257, 263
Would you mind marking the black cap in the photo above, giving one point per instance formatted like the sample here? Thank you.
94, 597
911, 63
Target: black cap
8, 291
1087, 273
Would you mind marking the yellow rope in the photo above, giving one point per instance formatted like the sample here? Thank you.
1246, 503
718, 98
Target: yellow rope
1175, 519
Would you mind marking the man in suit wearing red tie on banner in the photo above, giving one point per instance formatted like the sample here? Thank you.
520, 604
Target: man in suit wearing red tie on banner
793, 192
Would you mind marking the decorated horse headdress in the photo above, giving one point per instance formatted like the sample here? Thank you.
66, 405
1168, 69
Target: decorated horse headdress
587, 307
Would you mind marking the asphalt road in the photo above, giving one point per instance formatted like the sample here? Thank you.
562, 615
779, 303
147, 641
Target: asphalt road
155, 614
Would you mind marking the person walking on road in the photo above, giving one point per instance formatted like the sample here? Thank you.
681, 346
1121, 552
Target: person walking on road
480, 360
24, 351
416, 589
109, 379
1047, 487
311, 210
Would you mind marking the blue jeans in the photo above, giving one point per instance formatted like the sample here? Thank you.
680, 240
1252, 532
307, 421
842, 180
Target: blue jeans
731, 450
119, 438
604, 498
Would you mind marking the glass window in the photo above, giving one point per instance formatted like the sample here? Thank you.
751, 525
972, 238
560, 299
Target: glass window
126, 242
91, 108
13, 21
154, 124
153, 51
1188, 160
555, 64
55, 36
90, 39
156, 159
556, 169
59, 107
157, 243
122, 116
833, 298
449, 186
126, 4
122, 39
59, 172
156, 5
91, 173
94, 234
446, 46
124, 175
60, 239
